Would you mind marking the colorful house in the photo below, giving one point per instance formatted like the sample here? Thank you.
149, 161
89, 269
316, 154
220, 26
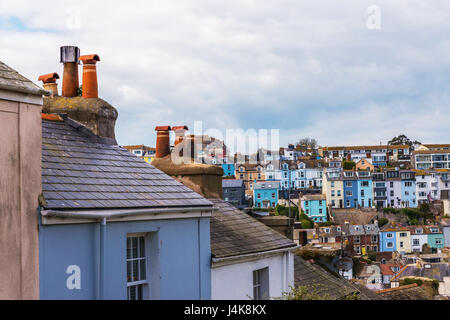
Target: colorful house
435, 238
265, 194
408, 189
379, 190
333, 188
365, 189
228, 169
102, 224
314, 206
350, 184
142, 151
395, 238
365, 164
388, 241
419, 237
393, 188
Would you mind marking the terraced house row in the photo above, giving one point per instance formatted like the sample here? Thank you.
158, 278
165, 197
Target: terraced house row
362, 239
386, 188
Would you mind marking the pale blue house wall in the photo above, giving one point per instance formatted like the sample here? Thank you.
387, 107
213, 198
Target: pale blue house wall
228, 169
313, 207
384, 239
432, 240
178, 257
261, 195
368, 193
410, 199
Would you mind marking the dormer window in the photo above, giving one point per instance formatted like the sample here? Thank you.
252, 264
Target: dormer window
338, 229
419, 231
327, 230
357, 228
434, 230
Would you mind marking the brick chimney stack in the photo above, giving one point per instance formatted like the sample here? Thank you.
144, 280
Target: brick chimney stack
162, 141
70, 56
49, 81
90, 85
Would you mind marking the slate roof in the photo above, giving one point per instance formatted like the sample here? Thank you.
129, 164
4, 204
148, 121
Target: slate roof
11, 80
311, 274
367, 229
437, 271
310, 197
232, 183
234, 233
267, 185
408, 292
81, 172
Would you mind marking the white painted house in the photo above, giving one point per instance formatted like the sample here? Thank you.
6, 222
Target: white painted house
249, 259
419, 237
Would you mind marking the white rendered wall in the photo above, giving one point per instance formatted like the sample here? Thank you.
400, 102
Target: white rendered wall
235, 281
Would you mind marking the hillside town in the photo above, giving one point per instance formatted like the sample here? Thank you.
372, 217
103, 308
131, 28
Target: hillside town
89, 219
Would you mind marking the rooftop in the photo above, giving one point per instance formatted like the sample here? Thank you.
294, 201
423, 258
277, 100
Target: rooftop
11, 80
232, 183
267, 185
408, 292
309, 273
234, 233
81, 171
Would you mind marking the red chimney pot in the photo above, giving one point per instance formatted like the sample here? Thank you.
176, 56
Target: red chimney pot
49, 78
179, 133
90, 85
162, 141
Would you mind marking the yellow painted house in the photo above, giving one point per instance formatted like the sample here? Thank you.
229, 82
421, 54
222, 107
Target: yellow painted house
365, 164
142, 151
403, 240
333, 188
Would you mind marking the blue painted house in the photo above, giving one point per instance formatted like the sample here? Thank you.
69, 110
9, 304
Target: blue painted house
435, 238
365, 189
114, 227
265, 194
315, 206
228, 169
388, 240
288, 174
350, 182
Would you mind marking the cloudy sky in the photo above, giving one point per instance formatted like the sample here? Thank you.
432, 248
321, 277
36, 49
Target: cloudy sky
325, 69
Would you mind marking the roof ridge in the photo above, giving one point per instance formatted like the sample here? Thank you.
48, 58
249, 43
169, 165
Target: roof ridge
398, 288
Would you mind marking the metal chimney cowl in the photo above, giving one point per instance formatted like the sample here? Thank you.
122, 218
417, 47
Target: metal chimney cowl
70, 55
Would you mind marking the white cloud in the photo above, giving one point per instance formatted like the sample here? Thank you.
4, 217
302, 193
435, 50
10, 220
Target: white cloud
309, 68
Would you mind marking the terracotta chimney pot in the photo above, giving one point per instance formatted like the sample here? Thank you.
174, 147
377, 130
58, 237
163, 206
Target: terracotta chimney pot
90, 85
49, 81
162, 141
179, 133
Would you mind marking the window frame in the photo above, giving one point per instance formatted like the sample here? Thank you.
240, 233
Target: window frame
139, 284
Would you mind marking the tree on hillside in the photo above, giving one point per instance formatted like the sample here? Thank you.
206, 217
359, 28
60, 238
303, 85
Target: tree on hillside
402, 139
307, 142
348, 165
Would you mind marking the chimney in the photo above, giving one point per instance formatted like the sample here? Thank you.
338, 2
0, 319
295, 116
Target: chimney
162, 141
179, 133
49, 81
70, 56
90, 86
96, 114
203, 179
